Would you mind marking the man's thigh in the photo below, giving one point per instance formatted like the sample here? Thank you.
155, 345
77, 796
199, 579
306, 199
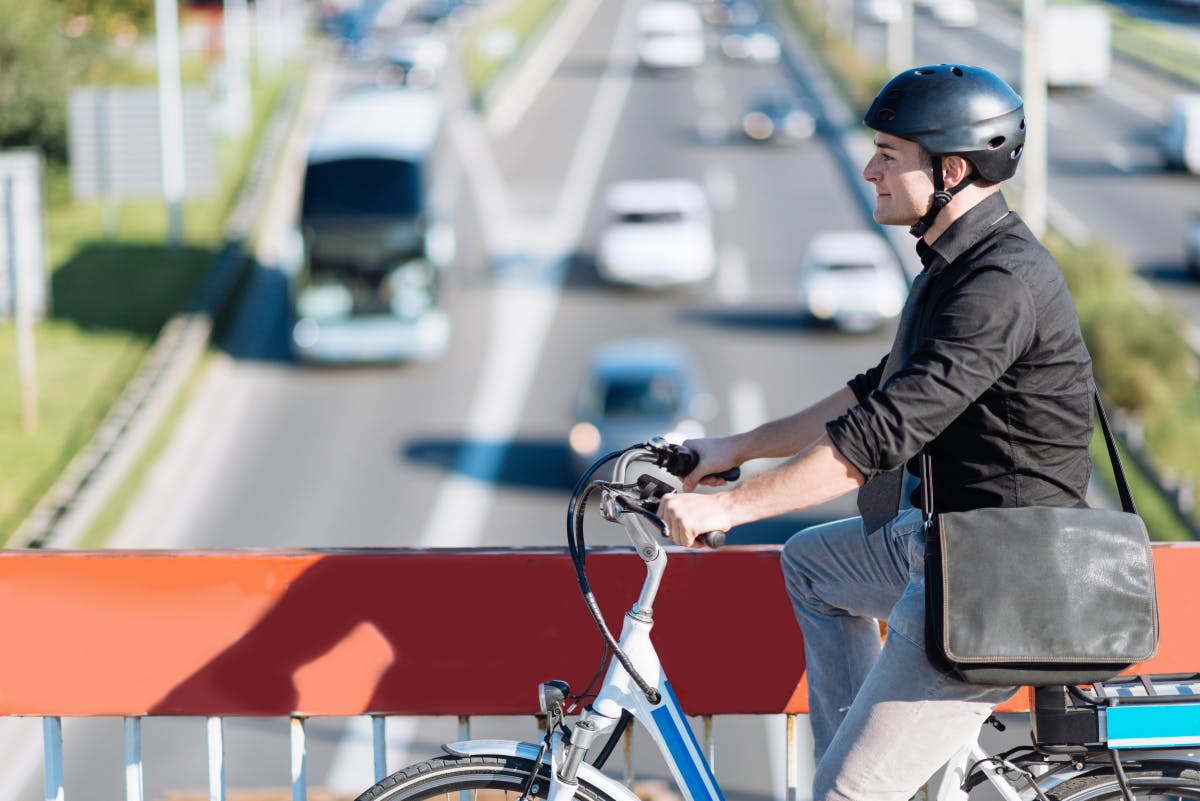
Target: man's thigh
851, 570
907, 720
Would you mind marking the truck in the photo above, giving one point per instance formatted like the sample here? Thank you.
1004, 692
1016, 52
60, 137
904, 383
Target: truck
366, 262
1077, 44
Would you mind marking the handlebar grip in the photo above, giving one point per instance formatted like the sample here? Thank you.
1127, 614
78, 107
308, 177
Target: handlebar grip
713, 539
685, 462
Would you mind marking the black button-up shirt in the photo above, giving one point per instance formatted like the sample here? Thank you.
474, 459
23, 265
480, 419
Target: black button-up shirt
997, 382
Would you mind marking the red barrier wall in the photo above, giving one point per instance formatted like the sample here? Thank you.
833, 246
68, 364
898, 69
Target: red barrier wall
338, 632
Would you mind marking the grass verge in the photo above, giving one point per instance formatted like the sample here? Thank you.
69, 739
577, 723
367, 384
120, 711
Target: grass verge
517, 24
113, 284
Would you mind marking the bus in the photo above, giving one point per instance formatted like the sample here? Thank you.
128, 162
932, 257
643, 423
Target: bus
367, 287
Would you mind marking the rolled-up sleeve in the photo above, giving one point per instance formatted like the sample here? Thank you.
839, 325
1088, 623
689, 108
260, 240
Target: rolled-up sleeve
863, 383
978, 330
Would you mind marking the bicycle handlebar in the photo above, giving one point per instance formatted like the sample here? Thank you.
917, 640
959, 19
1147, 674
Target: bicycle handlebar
680, 461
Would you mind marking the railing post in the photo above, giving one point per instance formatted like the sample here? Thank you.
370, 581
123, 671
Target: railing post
134, 790
710, 747
299, 760
53, 757
791, 780
379, 744
629, 757
216, 760
464, 733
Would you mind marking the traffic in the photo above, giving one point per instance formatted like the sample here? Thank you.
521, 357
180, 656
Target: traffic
463, 301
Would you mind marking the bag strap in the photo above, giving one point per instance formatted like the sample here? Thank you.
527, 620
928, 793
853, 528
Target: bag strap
1118, 471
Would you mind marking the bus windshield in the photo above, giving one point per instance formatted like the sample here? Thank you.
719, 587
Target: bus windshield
362, 186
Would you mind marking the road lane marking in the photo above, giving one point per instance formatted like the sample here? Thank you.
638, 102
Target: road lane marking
721, 184
537, 70
733, 277
747, 405
1070, 226
528, 287
1136, 101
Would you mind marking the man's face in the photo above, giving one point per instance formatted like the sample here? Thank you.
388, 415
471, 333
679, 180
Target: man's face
902, 178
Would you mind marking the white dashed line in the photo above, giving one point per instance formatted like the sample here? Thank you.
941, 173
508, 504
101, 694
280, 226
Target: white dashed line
733, 279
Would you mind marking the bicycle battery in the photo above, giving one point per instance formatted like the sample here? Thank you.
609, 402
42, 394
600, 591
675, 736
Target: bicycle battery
1161, 711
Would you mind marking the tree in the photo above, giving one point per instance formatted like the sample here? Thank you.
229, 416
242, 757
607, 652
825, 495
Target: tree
34, 76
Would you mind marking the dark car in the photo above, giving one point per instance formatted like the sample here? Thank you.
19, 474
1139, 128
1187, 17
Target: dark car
636, 389
779, 117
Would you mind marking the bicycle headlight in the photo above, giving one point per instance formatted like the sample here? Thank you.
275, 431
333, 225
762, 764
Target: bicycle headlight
552, 695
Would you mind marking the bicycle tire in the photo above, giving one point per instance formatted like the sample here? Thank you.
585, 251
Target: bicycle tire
445, 777
1162, 782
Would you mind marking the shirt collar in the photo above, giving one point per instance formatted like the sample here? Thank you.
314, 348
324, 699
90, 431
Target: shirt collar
963, 232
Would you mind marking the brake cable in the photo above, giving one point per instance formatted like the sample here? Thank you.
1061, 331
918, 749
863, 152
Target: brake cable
575, 540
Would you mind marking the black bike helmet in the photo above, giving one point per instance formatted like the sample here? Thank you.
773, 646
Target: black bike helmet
952, 109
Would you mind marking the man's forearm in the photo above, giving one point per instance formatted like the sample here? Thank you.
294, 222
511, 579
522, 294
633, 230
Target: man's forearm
790, 435
818, 474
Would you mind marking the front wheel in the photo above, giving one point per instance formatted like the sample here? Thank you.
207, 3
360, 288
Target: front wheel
1160, 783
485, 778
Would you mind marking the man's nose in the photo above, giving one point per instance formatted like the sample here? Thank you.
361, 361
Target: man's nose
870, 172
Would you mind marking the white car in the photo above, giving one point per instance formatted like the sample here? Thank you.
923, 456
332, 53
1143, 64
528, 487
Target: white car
882, 12
852, 280
955, 13
670, 35
1181, 134
659, 234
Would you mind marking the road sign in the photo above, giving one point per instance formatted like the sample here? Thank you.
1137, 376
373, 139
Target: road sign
22, 241
115, 146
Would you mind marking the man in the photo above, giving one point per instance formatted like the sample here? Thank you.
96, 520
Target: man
988, 374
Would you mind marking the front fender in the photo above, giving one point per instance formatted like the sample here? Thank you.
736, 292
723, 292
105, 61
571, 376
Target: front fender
605, 785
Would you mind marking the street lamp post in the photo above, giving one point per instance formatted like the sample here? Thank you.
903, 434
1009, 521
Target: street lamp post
1033, 88
170, 115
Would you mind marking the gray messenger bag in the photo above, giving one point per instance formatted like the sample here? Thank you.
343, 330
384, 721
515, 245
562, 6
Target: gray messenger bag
1039, 595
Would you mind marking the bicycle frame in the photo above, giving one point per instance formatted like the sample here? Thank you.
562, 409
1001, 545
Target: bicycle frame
666, 722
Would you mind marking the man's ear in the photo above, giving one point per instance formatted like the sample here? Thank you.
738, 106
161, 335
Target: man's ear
954, 170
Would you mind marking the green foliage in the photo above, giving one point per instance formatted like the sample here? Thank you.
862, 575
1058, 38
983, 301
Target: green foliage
48, 46
34, 76
1138, 351
112, 12
857, 79
522, 20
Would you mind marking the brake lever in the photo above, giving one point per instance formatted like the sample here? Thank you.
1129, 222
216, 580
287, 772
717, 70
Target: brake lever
651, 490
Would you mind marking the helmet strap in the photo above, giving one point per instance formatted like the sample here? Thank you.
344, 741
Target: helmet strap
941, 198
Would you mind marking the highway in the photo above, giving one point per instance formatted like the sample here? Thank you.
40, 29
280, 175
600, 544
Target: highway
471, 450
1106, 175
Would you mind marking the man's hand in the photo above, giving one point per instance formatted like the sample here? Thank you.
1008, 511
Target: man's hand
714, 455
689, 515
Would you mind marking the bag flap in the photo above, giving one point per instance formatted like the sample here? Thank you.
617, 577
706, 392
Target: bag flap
1048, 585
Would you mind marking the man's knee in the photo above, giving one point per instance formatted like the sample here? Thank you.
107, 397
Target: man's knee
799, 554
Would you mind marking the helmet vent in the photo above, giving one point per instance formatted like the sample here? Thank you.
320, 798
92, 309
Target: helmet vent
885, 115
924, 72
957, 71
892, 93
1022, 123
995, 142
1016, 153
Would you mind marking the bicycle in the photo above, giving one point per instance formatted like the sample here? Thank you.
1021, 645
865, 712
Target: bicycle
1081, 738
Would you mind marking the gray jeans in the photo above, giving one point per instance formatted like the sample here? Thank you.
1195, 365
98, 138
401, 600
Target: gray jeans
883, 718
